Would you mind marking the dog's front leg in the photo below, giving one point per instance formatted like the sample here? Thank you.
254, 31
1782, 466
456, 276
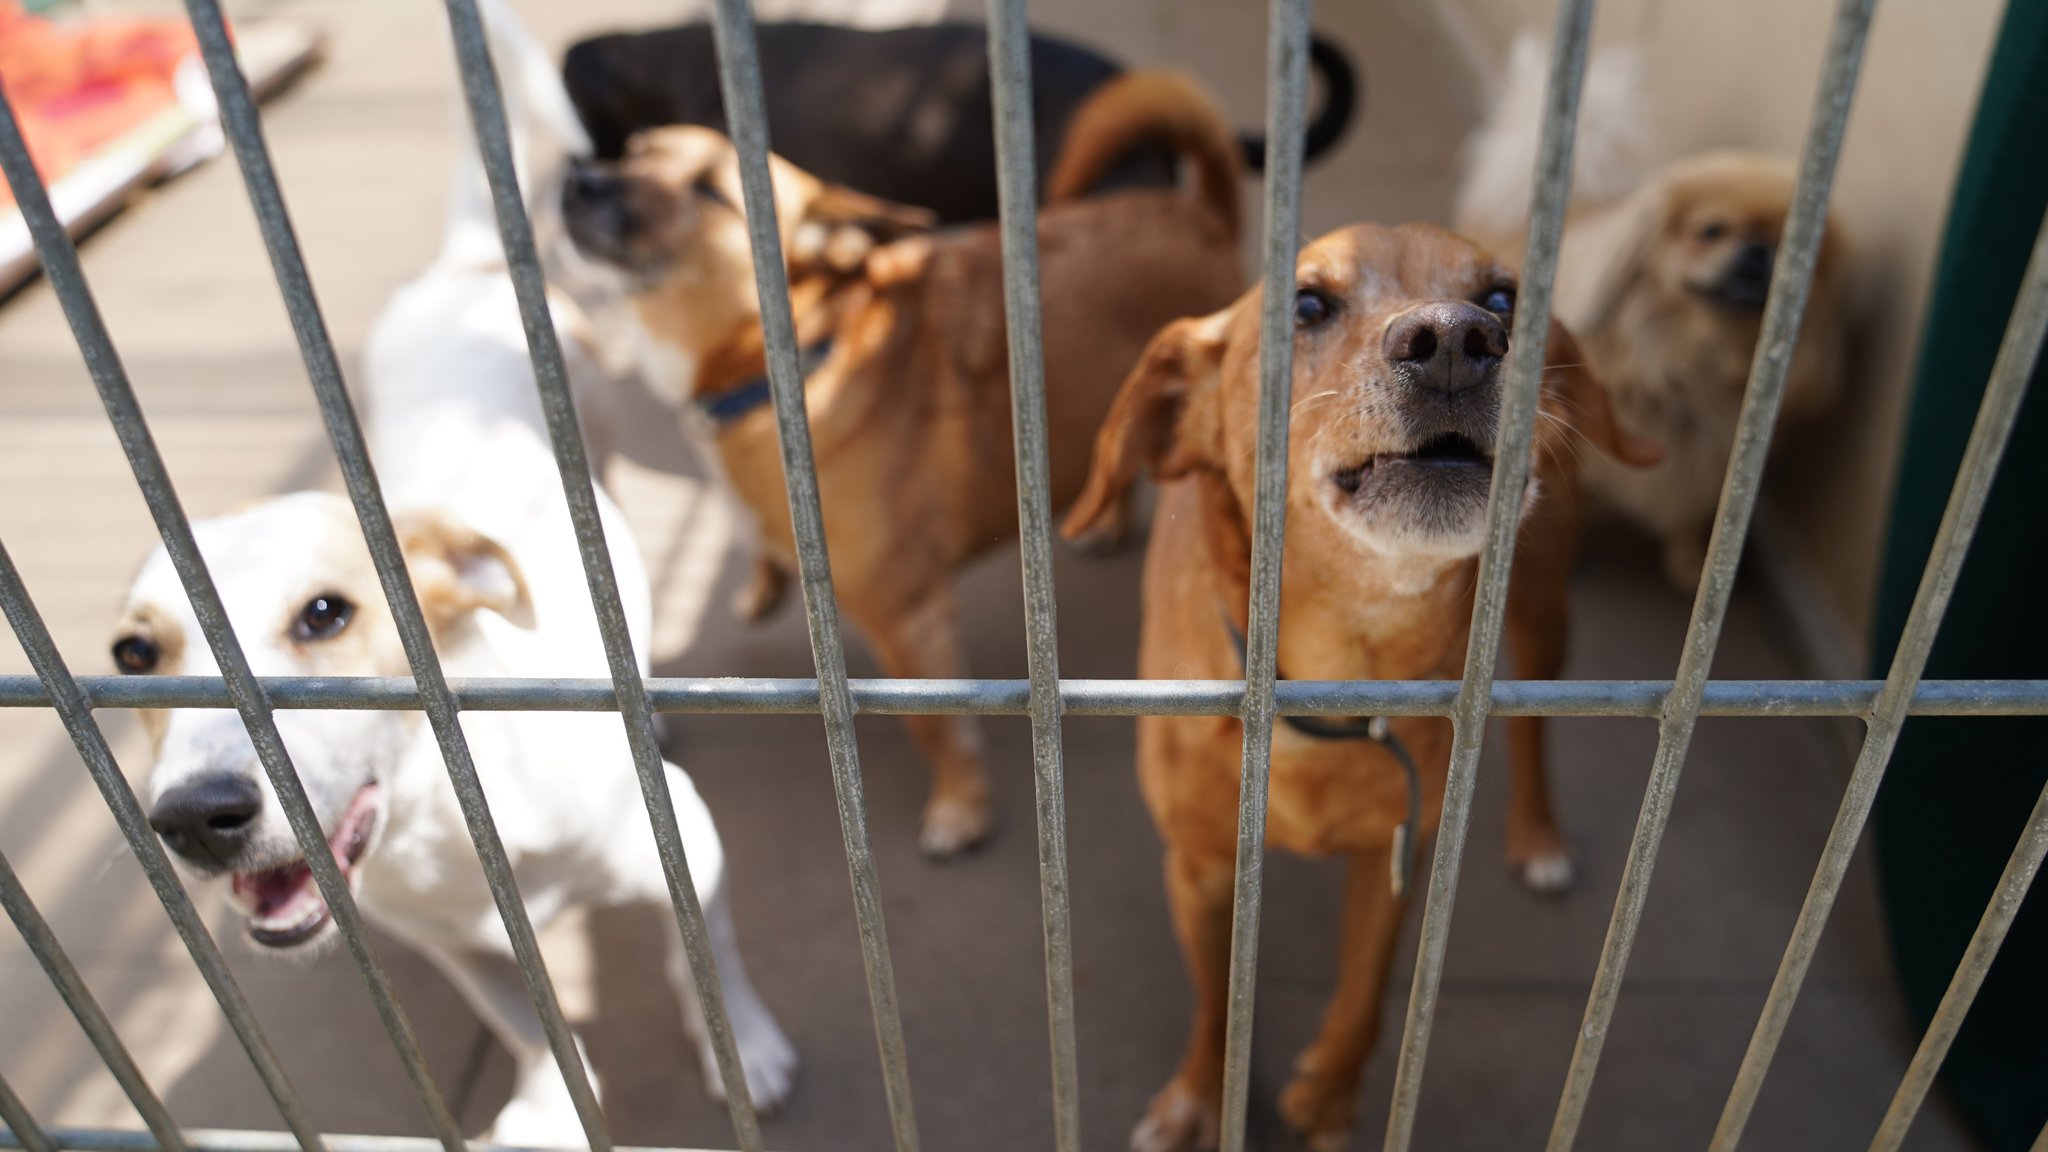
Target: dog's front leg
924, 643
1538, 619
540, 1113
1322, 1102
1186, 1114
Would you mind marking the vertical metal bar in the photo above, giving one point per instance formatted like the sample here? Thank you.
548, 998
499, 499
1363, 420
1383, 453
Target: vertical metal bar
2020, 870
1286, 112
67, 280
64, 976
2017, 356
739, 74
20, 1124
323, 368
1009, 54
1791, 279
487, 114
75, 710
1527, 339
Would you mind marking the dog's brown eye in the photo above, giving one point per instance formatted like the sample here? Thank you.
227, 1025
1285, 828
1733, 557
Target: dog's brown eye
322, 617
1311, 308
1712, 231
1499, 301
136, 654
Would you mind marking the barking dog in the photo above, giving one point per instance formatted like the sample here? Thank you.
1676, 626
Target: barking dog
1663, 276
462, 450
900, 113
1399, 338
906, 356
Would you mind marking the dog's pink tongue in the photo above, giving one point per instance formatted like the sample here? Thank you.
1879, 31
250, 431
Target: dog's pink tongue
272, 890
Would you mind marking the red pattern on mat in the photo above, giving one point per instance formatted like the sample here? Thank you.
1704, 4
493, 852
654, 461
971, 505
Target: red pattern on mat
78, 85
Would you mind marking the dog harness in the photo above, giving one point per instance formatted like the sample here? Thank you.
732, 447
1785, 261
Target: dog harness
1375, 729
733, 403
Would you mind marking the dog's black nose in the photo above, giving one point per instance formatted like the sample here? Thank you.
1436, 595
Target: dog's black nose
1753, 262
209, 820
1448, 345
587, 182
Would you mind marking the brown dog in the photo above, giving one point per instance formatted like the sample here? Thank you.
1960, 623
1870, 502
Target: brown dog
908, 367
1400, 333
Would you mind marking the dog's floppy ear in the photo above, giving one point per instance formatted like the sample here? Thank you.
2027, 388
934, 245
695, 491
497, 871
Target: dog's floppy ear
841, 226
1614, 252
1164, 420
457, 570
1585, 401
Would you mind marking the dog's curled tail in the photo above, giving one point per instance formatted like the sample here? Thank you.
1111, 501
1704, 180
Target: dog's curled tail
1610, 154
545, 132
1146, 107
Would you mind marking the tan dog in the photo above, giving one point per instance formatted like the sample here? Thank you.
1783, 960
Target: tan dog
1663, 277
907, 361
1400, 333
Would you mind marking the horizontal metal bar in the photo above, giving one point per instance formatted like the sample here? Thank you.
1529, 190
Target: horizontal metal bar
238, 1140
323, 369
92, 1019
721, 695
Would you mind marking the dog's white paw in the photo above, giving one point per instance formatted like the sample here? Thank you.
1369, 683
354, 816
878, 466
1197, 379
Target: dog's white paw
766, 1057
529, 1123
952, 826
1177, 1121
1548, 874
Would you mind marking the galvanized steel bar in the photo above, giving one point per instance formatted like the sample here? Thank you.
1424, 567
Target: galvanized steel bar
487, 115
739, 75
42, 942
880, 697
2018, 355
75, 711
1791, 279
1009, 58
67, 281
1526, 344
2011, 892
25, 1132
238, 1140
323, 368
1286, 112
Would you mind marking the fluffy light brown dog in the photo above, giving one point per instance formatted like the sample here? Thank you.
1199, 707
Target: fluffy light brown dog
1399, 338
908, 368
1663, 278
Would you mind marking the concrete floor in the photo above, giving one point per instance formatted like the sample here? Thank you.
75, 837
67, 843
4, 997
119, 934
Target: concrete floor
364, 147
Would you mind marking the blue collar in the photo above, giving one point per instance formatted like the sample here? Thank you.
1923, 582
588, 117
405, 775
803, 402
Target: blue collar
728, 405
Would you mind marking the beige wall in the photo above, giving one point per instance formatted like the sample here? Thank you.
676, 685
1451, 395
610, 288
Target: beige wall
1741, 73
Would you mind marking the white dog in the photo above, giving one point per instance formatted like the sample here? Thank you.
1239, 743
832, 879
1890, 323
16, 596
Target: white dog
458, 438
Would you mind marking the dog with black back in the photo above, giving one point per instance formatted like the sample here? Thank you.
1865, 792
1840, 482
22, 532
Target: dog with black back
899, 113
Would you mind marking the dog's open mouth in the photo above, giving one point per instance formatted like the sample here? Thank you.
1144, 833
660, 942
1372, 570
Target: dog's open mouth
283, 904
1446, 456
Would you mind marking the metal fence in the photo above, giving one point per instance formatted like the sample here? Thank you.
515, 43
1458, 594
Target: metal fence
1045, 698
